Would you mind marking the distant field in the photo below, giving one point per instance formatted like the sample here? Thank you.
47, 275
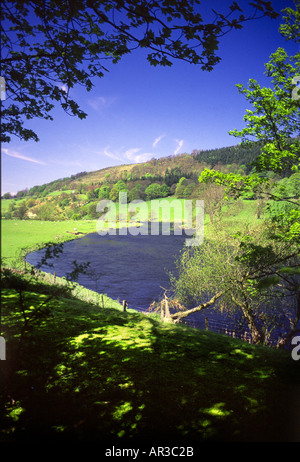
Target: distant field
18, 235
6, 203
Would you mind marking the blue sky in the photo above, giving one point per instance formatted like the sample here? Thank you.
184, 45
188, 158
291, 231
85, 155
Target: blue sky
137, 112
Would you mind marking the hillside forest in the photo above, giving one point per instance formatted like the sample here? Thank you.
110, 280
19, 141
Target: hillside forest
76, 197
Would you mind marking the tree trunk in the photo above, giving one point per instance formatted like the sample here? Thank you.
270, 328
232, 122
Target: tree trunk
257, 336
182, 314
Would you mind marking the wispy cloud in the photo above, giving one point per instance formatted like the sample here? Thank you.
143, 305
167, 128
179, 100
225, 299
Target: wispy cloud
63, 86
101, 102
18, 155
157, 140
107, 152
133, 156
179, 146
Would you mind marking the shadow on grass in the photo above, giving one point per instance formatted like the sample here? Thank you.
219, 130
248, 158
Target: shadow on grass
91, 374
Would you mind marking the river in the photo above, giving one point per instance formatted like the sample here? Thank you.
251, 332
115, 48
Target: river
131, 268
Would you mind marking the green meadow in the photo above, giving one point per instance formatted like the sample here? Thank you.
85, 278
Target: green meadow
21, 236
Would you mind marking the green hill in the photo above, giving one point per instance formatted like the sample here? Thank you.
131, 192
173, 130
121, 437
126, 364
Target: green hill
76, 197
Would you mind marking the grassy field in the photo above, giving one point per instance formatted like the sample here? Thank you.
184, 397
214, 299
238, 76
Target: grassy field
19, 236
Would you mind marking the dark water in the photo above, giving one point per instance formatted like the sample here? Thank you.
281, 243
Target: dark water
131, 268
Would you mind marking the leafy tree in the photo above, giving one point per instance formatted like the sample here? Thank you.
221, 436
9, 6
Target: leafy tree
103, 192
20, 211
184, 188
6, 196
120, 186
136, 193
217, 274
11, 209
265, 262
30, 203
288, 188
49, 47
155, 190
114, 194
46, 211
213, 197
91, 195
165, 190
92, 212
65, 202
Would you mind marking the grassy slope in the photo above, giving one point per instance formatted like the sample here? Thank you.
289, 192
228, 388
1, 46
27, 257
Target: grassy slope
93, 374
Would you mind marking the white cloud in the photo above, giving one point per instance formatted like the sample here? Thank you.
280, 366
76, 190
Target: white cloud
63, 87
110, 154
157, 140
179, 146
17, 155
100, 102
133, 156
130, 154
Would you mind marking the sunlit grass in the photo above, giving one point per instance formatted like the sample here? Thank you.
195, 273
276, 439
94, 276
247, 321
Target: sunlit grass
17, 236
89, 373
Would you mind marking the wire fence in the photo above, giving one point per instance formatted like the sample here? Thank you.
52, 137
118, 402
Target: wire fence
221, 327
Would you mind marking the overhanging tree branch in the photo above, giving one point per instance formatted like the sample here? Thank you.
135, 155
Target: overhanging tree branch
183, 314
53, 42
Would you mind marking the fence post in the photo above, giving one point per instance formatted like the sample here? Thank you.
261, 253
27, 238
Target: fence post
206, 323
167, 311
102, 300
162, 313
124, 305
54, 277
